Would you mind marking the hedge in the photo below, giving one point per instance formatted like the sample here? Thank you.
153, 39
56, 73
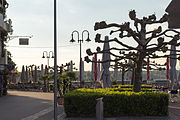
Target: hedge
82, 103
130, 89
51, 87
131, 86
120, 88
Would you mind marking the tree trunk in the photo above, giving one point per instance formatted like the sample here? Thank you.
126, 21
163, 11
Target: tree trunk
133, 76
138, 74
139, 61
123, 71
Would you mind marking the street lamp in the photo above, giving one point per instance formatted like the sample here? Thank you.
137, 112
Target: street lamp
79, 41
55, 60
48, 56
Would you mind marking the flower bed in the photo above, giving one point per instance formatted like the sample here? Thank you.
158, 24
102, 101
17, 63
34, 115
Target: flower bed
82, 103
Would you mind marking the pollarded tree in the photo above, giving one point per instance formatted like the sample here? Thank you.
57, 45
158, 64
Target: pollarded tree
125, 67
142, 37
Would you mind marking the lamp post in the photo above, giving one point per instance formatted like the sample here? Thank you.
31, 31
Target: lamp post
80, 41
55, 61
48, 56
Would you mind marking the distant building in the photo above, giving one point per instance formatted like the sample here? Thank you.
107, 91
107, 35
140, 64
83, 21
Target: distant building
173, 10
5, 29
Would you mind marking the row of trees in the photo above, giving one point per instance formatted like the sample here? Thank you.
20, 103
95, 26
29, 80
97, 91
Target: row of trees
64, 79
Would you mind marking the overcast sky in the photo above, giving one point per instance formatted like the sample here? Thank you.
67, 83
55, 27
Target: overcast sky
35, 17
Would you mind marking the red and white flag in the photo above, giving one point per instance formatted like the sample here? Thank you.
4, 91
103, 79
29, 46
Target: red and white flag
167, 68
95, 67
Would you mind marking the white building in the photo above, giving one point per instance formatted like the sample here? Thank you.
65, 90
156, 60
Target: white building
5, 29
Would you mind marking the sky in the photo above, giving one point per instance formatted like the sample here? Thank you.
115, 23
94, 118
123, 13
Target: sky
35, 17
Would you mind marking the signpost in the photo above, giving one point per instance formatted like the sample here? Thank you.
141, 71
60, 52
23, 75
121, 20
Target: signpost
23, 41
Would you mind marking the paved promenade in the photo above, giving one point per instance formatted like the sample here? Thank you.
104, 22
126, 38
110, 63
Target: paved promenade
20, 105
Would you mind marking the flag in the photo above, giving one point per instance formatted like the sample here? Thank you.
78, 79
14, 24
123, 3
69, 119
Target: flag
167, 68
95, 67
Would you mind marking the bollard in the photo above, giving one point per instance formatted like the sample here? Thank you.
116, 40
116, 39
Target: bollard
99, 109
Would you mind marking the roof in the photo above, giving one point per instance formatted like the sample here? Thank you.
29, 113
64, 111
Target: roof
173, 7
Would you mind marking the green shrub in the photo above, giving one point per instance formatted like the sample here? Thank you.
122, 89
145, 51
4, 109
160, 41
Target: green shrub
114, 86
51, 87
114, 82
12, 83
130, 89
131, 86
82, 103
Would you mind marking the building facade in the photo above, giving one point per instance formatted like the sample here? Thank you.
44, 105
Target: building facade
5, 31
